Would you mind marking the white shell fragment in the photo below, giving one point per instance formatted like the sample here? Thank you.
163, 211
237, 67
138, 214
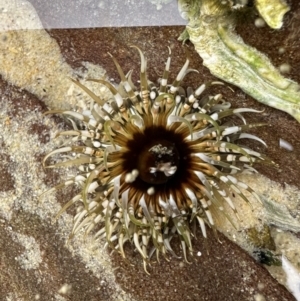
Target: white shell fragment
286, 145
293, 278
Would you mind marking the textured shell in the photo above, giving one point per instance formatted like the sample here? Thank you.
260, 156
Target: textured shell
224, 53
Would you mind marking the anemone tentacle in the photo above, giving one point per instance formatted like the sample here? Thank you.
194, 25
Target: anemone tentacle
153, 162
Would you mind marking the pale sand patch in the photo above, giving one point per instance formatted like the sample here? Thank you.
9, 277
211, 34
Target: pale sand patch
31, 60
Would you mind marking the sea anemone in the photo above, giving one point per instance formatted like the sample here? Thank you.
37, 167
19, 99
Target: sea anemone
153, 162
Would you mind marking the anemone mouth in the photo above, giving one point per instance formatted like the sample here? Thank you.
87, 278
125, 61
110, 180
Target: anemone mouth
161, 157
153, 161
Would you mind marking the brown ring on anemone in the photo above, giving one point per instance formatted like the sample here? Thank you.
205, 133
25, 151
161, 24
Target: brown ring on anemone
154, 161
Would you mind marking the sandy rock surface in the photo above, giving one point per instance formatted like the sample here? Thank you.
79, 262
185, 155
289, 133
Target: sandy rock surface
36, 260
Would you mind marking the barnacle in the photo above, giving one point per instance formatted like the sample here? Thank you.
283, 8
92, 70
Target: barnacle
153, 162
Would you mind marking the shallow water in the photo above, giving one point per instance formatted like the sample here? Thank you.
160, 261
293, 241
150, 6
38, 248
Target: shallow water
35, 70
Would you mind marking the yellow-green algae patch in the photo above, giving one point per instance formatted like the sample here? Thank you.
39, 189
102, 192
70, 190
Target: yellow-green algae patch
272, 11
